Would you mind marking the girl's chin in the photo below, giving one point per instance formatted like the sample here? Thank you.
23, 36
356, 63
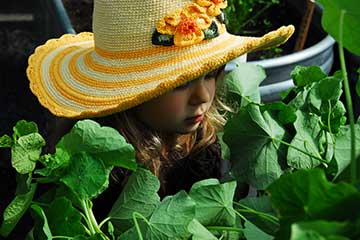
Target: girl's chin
189, 128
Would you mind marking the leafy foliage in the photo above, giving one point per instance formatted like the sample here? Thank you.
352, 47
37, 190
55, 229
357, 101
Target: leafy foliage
243, 15
343, 14
303, 129
83, 160
308, 196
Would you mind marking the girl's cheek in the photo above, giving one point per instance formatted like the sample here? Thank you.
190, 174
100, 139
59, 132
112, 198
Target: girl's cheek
175, 104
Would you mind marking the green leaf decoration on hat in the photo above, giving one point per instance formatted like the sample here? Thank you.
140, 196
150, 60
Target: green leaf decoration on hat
162, 39
212, 31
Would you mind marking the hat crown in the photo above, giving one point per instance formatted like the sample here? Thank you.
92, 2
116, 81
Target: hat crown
124, 25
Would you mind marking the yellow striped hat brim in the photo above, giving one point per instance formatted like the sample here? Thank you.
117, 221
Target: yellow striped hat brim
73, 79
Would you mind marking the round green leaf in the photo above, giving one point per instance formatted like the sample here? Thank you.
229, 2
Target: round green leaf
86, 176
64, 219
139, 195
214, 202
171, 219
244, 80
26, 151
333, 12
104, 142
254, 152
23, 128
305, 75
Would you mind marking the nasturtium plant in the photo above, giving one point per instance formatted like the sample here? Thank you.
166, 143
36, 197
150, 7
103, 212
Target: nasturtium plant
23, 128
343, 17
5, 141
309, 196
214, 202
87, 176
244, 82
26, 152
319, 229
254, 139
252, 232
199, 232
66, 222
306, 140
16, 209
300, 132
139, 195
104, 143
82, 164
303, 76
342, 148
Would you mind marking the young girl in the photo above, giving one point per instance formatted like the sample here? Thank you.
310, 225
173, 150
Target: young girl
150, 70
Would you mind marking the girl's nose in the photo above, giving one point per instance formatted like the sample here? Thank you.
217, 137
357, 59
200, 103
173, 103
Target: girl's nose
201, 92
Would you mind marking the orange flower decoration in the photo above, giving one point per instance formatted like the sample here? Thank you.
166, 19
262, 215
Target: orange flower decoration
185, 24
167, 25
213, 6
197, 13
188, 33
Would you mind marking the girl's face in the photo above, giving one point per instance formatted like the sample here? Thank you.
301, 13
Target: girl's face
181, 110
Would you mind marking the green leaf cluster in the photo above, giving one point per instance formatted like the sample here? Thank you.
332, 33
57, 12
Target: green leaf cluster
305, 130
78, 171
245, 15
193, 215
311, 207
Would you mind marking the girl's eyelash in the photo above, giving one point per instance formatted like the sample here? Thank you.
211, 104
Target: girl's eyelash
211, 74
185, 85
208, 76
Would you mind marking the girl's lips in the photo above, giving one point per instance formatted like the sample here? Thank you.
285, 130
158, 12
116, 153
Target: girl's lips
196, 119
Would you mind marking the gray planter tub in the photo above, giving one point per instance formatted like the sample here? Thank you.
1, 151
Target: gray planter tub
278, 69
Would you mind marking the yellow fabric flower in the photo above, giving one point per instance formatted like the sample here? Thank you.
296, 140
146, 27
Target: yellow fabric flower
188, 32
185, 24
167, 25
197, 13
213, 6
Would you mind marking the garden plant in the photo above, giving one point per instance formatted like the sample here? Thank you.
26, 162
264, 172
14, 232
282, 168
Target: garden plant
250, 17
257, 17
301, 154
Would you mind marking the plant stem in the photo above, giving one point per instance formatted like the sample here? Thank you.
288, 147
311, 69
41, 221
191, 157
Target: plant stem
261, 11
300, 150
90, 219
61, 237
104, 221
239, 215
265, 216
251, 102
136, 215
87, 217
221, 228
353, 165
329, 121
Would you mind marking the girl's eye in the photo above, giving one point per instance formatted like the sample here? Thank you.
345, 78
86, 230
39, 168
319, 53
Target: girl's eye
184, 86
212, 74
208, 76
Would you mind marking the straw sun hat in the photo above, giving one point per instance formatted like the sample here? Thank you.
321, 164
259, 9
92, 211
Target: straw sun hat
139, 50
